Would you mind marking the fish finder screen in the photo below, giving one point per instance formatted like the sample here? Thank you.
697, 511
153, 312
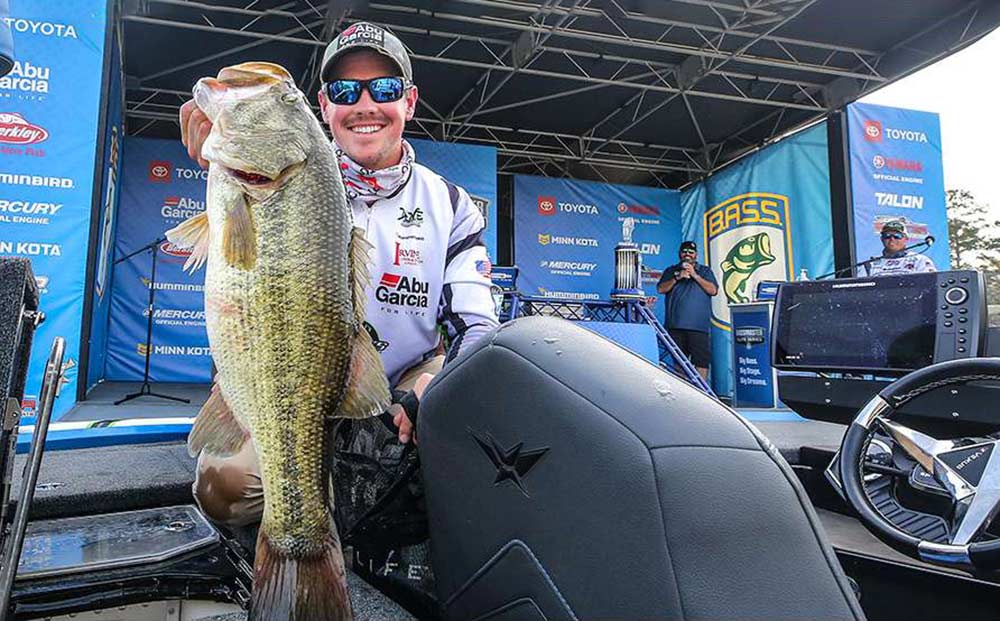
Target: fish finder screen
859, 325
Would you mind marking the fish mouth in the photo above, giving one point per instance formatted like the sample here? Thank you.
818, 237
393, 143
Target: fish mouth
764, 245
253, 179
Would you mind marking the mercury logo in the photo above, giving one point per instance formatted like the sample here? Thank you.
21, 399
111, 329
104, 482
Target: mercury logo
31, 208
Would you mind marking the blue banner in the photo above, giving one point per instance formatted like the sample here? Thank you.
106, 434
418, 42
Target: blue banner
897, 174
49, 110
160, 187
766, 217
107, 219
565, 233
754, 385
474, 167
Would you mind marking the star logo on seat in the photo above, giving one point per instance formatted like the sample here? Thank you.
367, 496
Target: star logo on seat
512, 464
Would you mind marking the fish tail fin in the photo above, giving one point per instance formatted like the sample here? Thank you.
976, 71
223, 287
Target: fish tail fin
192, 233
313, 588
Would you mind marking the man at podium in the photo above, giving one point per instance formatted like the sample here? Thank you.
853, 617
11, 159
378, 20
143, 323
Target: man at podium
896, 259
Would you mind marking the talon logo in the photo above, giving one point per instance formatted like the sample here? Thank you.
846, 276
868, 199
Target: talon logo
512, 464
748, 238
160, 171
414, 217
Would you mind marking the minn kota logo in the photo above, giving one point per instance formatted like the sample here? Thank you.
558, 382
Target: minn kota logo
748, 239
511, 464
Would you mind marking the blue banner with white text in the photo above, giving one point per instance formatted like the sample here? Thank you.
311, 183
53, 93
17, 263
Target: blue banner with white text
473, 167
566, 230
766, 217
50, 106
160, 188
897, 174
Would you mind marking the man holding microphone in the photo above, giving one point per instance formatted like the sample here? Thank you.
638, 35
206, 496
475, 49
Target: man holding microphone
688, 288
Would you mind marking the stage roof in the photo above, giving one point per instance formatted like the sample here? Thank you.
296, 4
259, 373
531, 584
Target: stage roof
654, 92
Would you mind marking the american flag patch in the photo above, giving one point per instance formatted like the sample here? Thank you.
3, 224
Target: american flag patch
485, 268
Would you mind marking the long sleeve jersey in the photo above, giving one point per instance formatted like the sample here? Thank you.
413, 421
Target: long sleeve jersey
429, 267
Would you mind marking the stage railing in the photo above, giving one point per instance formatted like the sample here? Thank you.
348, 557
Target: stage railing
515, 305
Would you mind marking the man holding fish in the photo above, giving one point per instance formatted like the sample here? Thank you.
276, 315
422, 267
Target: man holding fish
277, 294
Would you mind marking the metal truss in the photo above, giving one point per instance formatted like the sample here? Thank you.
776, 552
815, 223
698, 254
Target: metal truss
582, 50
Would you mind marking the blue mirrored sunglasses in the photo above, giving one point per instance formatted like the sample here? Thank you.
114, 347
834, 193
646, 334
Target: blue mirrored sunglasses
382, 90
893, 236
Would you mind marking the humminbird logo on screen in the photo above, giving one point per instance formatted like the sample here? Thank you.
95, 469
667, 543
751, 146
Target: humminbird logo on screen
748, 238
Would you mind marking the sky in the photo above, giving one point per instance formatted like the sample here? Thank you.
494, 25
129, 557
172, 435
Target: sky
964, 89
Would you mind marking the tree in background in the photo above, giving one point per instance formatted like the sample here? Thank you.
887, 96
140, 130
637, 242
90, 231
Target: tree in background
974, 238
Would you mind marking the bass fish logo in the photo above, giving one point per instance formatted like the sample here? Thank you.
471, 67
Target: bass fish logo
748, 238
746, 257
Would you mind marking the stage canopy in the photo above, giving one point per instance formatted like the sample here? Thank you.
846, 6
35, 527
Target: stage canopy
655, 92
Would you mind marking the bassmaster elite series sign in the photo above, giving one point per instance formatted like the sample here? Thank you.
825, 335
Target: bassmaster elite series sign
50, 105
748, 238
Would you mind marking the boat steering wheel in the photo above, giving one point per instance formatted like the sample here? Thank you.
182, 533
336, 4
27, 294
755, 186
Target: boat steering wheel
968, 469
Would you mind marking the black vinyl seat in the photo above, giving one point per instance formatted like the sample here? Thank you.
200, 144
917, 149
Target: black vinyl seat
567, 478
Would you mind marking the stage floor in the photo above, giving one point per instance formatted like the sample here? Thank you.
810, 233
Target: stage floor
100, 402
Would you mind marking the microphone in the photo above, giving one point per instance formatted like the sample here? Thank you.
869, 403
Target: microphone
929, 240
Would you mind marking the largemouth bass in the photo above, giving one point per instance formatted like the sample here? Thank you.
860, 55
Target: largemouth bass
284, 308
745, 258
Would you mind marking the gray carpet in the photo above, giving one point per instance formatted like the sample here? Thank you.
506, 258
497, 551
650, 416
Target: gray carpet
100, 402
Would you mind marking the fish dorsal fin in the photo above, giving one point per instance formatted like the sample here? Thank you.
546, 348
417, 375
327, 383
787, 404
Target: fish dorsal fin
367, 391
216, 430
193, 233
358, 254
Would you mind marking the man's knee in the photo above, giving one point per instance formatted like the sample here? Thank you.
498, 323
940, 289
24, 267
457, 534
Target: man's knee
229, 490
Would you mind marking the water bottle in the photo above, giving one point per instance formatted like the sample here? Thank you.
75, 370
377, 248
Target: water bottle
803, 274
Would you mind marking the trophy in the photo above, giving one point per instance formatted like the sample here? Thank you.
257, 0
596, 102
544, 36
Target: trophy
628, 266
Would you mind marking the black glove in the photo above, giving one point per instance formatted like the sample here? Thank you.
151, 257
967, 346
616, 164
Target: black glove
408, 400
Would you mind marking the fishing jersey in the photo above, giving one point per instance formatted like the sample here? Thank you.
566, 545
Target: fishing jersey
429, 266
906, 263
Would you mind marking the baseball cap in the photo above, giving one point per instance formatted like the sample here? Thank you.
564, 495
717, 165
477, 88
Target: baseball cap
688, 245
367, 35
892, 226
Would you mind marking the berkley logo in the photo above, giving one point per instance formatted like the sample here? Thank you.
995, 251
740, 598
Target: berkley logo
159, 171
15, 129
748, 238
172, 250
642, 210
400, 290
547, 205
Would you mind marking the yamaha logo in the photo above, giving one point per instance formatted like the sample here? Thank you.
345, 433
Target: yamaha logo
878, 161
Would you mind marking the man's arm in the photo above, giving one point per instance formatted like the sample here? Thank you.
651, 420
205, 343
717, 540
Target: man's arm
707, 284
466, 309
667, 281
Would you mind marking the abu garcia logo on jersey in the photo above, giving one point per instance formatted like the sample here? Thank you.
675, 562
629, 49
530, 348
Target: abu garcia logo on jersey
400, 290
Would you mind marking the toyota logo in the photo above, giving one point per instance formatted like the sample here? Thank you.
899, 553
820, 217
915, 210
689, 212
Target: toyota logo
159, 171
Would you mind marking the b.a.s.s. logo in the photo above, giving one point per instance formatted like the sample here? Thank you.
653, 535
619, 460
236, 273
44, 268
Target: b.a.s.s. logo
749, 240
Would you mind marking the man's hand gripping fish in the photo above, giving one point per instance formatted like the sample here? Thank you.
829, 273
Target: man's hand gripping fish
284, 307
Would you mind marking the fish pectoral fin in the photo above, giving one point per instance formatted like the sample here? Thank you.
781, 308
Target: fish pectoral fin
309, 587
192, 233
367, 392
216, 430
239, 236
358, 256
727, 266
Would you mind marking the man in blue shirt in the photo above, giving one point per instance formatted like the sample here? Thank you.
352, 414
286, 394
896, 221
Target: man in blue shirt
688, 288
